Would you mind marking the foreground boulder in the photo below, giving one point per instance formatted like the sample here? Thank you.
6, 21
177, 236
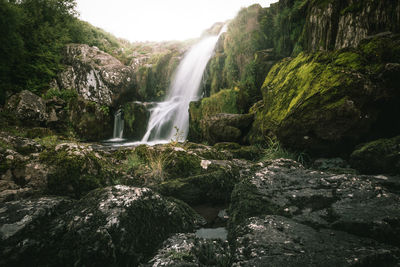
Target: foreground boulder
115, 226
379, 156
279, 241
363, 206
189, 250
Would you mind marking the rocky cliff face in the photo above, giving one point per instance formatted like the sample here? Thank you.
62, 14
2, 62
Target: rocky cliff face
339, 24
94, 74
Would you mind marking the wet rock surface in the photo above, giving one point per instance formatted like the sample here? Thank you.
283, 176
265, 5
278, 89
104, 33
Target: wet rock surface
112, 226
279, 213
362, 206
279, 241
188, 250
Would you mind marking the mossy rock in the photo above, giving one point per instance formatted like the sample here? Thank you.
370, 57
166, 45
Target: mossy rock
222, 102
379, 156
214, 187
247, 202
180, 163
38, 132
136, 116
239, 152
112, 226
91, 121
76, 170
327, 102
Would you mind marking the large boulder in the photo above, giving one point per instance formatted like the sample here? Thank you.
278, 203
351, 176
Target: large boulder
379, 156
115, 226
279, 241
190, 251
361, 205
96, 75
76, 169
286, 214
329, 102
224, 101
225, 127
28, 107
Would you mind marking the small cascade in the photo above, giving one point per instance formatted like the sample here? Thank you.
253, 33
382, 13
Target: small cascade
118, 126
169, 120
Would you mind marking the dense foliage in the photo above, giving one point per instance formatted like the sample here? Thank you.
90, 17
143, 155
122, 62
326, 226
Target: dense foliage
255, 40
32, 35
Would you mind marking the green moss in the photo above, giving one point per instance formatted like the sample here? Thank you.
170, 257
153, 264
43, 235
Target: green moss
316, 102
65, 95
212, 187
154, 78
225, 101
293, 83
182, 164
350, 60
379, 156
75, 174
5, 145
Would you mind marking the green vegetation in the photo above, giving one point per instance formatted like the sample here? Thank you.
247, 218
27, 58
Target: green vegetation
255, 40
225, 101
78, 169
33, 34
154, 78
65, 95
314, 99
379, 156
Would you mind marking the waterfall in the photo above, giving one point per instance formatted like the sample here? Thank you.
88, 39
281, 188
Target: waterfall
118, 126
170, 119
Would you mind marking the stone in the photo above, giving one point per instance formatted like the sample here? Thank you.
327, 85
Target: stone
17, 217
336, 25
20, 144
278, 241
379, 156
225, 127
366, 206
327, 103
28, 107
91, 121
117, 226
96, 75
188, 250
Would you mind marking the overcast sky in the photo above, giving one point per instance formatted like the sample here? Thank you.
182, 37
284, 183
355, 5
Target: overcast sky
160, 20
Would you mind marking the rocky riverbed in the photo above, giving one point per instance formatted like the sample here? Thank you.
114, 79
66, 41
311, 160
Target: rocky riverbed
119, 208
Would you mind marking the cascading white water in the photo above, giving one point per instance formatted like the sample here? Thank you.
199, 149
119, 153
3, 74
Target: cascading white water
118, 126
170, 119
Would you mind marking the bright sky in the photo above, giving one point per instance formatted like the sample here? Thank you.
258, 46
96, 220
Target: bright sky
160, 20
